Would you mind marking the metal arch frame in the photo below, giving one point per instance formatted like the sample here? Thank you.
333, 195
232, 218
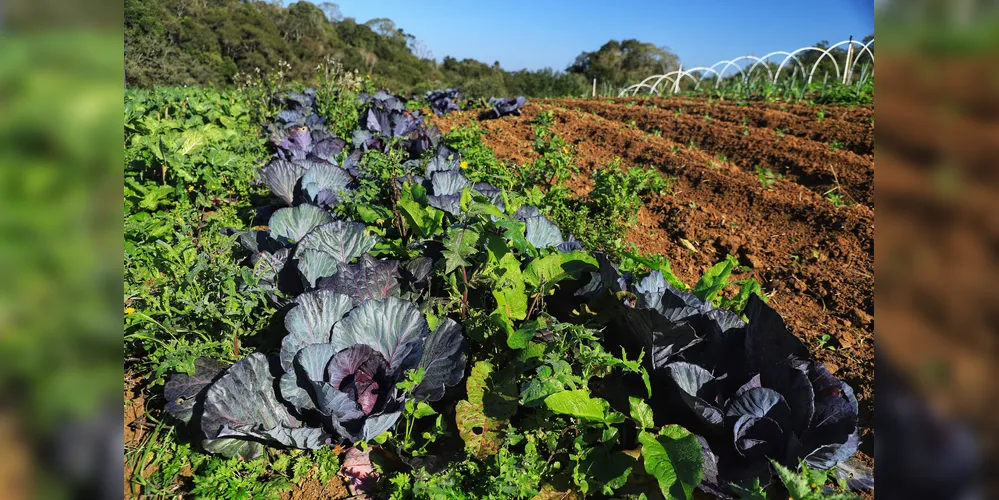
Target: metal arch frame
789, 56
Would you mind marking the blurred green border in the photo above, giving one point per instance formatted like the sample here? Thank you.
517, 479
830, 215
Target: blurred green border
60, 126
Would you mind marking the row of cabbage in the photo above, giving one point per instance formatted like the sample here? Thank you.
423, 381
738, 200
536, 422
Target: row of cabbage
365, 336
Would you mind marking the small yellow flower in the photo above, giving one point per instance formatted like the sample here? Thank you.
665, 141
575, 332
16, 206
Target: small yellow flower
190, 188
464, 164
129, 310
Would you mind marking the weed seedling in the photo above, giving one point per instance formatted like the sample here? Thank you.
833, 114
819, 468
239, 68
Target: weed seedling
835, 145
836, 199
825, 340
767, 177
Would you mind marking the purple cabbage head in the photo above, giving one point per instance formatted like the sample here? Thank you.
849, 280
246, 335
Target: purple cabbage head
504, 106
748, 390
443, 101
335, 378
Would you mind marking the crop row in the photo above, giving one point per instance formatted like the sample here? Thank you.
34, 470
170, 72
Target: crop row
397, 272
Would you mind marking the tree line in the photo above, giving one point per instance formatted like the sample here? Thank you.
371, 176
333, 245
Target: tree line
214, 42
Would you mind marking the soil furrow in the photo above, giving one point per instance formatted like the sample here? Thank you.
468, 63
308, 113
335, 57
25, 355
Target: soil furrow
805, 162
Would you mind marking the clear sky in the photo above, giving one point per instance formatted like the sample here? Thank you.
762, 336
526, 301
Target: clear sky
534, 34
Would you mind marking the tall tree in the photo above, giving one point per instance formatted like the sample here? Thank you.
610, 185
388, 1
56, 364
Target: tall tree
619, 63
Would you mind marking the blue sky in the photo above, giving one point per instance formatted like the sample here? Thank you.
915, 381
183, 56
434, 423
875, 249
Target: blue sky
534, 34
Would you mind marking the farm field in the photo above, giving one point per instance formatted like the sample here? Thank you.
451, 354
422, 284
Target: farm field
338, 291
813, 253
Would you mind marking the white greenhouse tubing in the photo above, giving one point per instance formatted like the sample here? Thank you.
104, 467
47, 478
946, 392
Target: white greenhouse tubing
745, 76
825, 53
765, 59
789, 56
727, 65
666, 77
690, 72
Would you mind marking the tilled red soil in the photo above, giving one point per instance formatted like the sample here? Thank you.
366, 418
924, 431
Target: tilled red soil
853, 131
812, 164
815, 261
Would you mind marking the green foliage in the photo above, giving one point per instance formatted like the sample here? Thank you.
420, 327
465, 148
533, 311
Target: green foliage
508, 288
633, 262
554, 376
507, 474
336, 97
808, 484
189, 164
483, 416
459, 245
600, 219
641, 412
420, 217
767, 177
546, 401
674, 458
580, 404
620, 63
266, 45
479, 161
616, 193
553, 166
161, 465
715, 279
836, 199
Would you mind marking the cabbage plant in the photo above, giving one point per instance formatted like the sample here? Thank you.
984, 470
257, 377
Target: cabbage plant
335, 380
443, 101
747, 389
505, 106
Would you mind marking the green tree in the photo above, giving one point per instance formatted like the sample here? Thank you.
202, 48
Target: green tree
621, 63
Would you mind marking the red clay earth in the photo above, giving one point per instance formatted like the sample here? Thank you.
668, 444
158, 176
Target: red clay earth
815, 261
851, 128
